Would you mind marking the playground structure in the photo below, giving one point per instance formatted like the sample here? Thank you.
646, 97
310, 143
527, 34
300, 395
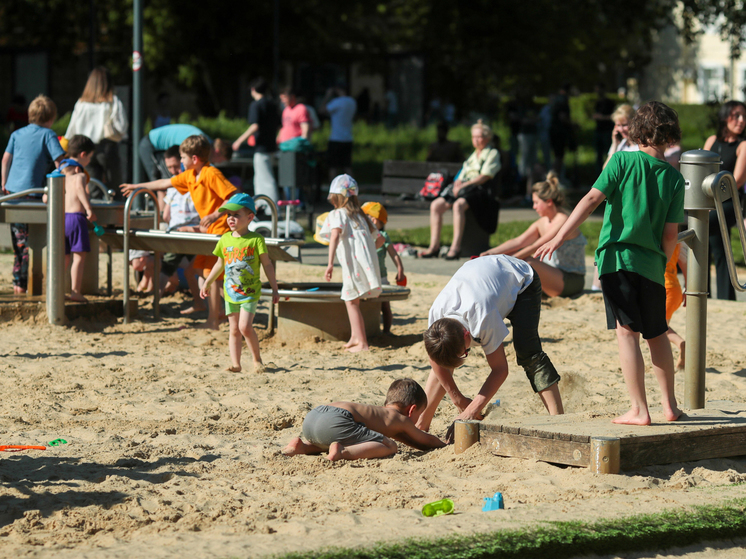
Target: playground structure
716, 432
299, 309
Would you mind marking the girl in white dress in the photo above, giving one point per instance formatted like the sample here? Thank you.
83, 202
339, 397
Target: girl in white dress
354, 239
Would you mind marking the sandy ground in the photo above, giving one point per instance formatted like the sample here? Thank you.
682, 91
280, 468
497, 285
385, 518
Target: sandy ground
169, 455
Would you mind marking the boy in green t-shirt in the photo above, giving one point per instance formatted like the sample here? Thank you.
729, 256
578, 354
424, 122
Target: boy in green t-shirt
645, 204
240, 252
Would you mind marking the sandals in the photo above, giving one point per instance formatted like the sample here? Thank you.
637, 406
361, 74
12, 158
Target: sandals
454, 256
428, 254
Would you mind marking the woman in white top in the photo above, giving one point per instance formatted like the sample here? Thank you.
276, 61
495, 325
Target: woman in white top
622, 116
563, 276
100, 115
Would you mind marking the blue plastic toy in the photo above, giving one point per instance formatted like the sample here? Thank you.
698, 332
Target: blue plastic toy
493, 503
97, 229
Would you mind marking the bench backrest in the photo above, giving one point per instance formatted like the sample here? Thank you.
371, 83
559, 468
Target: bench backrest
408, 177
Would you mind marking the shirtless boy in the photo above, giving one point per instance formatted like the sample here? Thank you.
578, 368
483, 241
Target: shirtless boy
350, 431
78, 211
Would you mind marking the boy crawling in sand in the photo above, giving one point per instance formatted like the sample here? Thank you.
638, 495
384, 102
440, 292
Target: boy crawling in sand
350, 431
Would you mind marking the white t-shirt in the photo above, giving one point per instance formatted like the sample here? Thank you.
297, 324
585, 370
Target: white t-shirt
481, 294
182, 209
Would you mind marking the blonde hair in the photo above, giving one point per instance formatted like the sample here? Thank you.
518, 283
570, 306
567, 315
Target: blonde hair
98, 87
623, 111
483, 128
196, 145
549, 190
41, 110
352, 206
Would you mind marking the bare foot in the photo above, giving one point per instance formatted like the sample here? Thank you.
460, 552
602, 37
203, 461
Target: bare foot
680, 363
208, 326
351, 343
260, 368
194, 308
297, 446
76, 297
672, 414
335, 452
357, 348
234, 369
633, 418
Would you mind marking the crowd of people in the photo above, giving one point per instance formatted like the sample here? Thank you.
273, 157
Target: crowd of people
636, 259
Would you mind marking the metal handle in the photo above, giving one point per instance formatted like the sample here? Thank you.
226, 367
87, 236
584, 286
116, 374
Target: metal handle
722, 186
23, 194
107, 192
156, 255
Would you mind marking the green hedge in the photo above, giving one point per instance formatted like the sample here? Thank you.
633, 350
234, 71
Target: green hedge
374, 143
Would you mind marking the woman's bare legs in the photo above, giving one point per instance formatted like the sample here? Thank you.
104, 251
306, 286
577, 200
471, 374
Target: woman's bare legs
438, 207
552, 282
459, 222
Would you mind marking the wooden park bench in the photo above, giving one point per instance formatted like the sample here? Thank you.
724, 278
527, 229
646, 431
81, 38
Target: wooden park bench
406, 178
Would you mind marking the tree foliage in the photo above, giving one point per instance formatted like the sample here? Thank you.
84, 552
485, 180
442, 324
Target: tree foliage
473, 50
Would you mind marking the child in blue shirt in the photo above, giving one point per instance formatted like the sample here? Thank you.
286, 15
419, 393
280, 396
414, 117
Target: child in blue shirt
24, 166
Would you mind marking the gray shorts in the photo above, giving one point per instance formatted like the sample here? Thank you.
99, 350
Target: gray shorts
325, 425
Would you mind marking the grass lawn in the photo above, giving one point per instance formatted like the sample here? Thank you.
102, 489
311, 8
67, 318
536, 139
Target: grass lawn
651, 532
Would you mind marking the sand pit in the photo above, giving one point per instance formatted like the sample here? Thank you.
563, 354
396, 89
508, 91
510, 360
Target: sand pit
170, 455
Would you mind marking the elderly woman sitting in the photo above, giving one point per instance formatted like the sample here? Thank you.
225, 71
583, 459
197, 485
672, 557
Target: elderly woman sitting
466, 192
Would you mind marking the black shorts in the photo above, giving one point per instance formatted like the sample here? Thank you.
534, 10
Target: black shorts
634, 301
339, 154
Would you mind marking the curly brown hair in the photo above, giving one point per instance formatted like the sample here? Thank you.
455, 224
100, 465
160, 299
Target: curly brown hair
444, 342
655, 124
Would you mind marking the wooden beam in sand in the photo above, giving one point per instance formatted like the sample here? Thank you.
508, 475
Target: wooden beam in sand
718, 431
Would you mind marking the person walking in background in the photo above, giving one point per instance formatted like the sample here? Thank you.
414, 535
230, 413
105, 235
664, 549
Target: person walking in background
264, 121
560, 129
604, 125
295, 118
100, 115
341, 108
443, 150
729, 143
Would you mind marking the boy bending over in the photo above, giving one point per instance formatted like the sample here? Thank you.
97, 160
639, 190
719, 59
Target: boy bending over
350, 431
471, 309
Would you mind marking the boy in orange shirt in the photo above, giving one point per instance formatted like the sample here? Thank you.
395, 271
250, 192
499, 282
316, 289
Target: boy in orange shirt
209, 190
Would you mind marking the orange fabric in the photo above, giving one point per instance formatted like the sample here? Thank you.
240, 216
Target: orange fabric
208, 193
205, 262
674, 295
674, 298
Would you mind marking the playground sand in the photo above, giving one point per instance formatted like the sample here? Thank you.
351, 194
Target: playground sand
170, 455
